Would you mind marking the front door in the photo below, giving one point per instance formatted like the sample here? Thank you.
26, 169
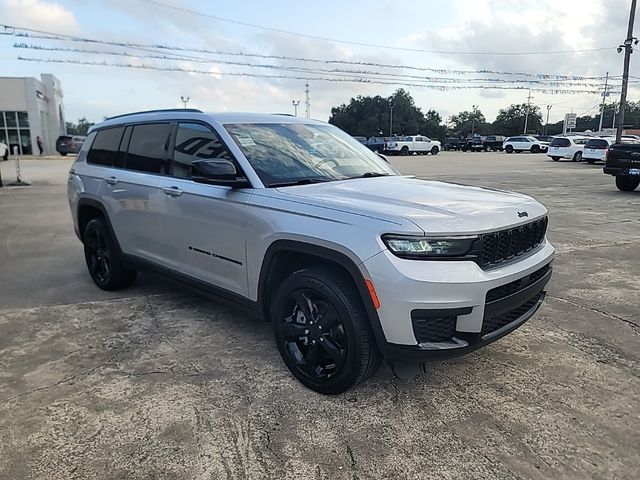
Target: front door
204, 225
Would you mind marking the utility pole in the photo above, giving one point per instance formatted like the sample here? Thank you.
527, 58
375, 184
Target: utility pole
185, 100
295, 107
546, 125
628, 48
473, 120
307, 103
526, 113
604, 98
391, 105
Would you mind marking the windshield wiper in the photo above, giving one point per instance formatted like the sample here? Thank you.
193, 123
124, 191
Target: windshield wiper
371, 174
300, 181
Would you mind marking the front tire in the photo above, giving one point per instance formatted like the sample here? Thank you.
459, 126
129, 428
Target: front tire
535, 149
434, 150
322, 332
404, 151
103, 257
627, 184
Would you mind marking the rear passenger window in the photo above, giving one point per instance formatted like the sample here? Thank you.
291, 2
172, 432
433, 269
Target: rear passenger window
148, 147
195, 142
104, 150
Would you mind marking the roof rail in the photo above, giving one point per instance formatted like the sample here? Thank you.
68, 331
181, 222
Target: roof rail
192, 110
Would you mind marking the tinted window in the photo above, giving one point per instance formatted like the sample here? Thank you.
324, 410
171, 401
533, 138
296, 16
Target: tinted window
580, 141
560, 142
597, 143
195, 142
104, 150
148, 147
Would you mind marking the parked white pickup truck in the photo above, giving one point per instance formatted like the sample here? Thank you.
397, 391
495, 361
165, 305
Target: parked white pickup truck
414, 143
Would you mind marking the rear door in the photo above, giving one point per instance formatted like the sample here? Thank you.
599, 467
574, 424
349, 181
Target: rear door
132, 194
204, 225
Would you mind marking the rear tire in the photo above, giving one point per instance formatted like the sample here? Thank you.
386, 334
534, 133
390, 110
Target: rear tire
322, 331
434, 150
508, 149
577, 157
64, 154
103, 257
627, 184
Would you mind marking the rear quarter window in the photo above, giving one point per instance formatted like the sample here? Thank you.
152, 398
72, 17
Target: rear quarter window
104, 150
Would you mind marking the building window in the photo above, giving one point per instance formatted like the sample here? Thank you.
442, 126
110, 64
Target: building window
14, 129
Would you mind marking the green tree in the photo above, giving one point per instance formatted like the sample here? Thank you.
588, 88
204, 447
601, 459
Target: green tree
81, 128
467, 122
370, 116
510, 121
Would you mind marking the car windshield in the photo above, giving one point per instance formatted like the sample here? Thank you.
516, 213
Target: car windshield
293, 152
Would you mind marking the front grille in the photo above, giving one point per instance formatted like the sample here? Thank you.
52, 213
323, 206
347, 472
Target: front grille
434, 329
498, 247
505, 290
494, 323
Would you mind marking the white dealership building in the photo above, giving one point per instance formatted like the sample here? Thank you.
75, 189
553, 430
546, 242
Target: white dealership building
31, 108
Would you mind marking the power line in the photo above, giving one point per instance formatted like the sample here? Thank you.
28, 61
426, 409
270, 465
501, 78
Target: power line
42, 35
432, 86
360, 44
332, 71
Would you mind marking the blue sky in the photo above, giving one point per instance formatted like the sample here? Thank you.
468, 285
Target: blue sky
460, 25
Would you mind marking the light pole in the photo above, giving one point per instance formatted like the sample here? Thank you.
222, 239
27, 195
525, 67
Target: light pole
295, 107
185, 100
391, 105
546, 125
473, 120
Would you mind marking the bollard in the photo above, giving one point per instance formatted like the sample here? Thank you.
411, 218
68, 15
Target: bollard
19, 182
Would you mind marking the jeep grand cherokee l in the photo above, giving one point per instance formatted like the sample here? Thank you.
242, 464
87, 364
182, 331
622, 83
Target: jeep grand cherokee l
301, 224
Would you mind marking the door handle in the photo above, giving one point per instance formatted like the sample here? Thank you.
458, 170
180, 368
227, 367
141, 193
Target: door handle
111, 180
172, 191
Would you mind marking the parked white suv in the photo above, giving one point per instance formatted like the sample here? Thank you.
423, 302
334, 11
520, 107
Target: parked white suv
302, 225
524, 144
571, 148
412, 144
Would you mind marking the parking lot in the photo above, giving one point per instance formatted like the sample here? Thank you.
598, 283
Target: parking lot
156, 382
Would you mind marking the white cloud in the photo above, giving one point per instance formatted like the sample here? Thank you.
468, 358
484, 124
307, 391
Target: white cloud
39, 14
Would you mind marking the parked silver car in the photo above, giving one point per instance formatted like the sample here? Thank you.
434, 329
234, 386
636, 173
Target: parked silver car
301, 224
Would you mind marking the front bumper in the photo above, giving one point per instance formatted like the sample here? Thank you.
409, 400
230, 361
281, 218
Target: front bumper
457, 291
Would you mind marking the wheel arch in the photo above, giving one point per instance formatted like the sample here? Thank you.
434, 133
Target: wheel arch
87, 210
285, 256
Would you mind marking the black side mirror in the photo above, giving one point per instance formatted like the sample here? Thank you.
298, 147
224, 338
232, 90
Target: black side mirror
217, 171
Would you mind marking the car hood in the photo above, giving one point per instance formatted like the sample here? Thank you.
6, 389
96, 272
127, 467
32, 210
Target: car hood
435, 207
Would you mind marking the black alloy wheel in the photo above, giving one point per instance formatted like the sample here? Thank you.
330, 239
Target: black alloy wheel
103, 257
313, 335
98, 256
322, 330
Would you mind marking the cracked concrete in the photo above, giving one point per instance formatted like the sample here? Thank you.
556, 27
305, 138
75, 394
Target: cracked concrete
156, 382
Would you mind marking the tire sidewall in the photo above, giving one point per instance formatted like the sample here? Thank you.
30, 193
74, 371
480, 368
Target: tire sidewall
354, 362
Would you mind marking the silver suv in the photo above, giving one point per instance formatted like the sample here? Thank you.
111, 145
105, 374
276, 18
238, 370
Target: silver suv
304, 226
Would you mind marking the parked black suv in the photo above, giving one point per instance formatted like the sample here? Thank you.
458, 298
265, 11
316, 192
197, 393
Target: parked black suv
69, 144
493, 143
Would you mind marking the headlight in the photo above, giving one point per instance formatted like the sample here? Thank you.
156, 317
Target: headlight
428, 247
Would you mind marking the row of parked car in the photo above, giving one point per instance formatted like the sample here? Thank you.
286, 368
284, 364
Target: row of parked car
403, 145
